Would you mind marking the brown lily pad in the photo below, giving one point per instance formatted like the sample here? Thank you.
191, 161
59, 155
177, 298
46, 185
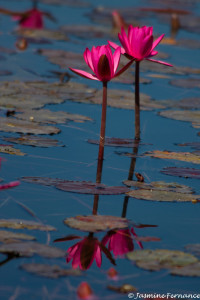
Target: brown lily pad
25, 224
83, 187
155, 260
117, 142
163, 196
9, 149
34, 141
160, 186
182, 172
96, 223
192, 270
9, 236
194, 248
183, 115
182, 156
124, 289
148, 66
188, 83
78, 3
194, 145
21, 126
29, 249
50, 117
45, 34
49, 271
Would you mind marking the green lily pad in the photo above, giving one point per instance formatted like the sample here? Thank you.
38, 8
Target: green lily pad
9, 236
95, 223
25, 224
49, 271
154, 260
163, 196
34, 141
50, 117
21, 126
160, 186
183, 115
182, 156
28, 249
9, 149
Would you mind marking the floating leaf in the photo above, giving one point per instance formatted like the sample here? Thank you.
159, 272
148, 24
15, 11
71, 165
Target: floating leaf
87, 31
117, 142
160, 186
8, 236
78, 3
154, 260
188, 83
147, 66
24, 224
49, 270
183, 115
83, 187
96, 223
9, 149
192, 270
21, 126
29, 249
124, 289
50, 117
182, 156
39, 34
182, 172
35, 141
163, 196
188, 103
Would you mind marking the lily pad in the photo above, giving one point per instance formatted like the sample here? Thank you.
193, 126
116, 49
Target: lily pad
124, 289
192, 270
160, 186
148, 66
8, 236
182, 172
95, 223
21, 126
83, 187
45, 34
194, 145
49, 271
154, 260
182, 156
163, 196
183, 115
29, 249
50, 117
194, 248
188, 83
25, 224
34, 141
78, 3
117, 142
9, 149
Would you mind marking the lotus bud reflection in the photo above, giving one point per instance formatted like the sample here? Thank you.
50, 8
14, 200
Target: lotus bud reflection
32, 19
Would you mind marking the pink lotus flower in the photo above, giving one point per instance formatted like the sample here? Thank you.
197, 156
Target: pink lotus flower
102, 62
139, 44
30, 19
120, 241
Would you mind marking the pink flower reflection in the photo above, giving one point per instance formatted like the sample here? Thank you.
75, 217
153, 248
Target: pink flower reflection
32, 19
120, 241
9, 184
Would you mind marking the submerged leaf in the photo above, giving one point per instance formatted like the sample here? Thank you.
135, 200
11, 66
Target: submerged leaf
154, 260
96, 223
182, 172
29, 249
21, 224
163, 196
182, 156
49, 271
